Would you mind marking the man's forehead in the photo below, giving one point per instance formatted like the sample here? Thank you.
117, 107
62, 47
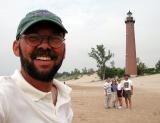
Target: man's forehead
44, 25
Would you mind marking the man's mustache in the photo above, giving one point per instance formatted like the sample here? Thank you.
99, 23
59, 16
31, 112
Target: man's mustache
44, 53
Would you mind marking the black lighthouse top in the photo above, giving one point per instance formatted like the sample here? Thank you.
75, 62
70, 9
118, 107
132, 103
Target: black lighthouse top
129, 18
129, 13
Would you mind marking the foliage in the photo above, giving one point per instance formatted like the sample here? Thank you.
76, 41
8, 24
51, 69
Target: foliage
75, 74
90, 71
157, 66
112, 64
84, 70
120, 72
99, 54
141, 67
150, 71
112, 72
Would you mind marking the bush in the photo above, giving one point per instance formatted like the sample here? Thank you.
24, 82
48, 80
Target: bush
150, 71
158, 66
112, 72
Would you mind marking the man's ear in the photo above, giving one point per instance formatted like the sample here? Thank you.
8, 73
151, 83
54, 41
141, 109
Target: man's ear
16, 48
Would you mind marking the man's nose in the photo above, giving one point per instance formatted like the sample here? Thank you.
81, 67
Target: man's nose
44, 44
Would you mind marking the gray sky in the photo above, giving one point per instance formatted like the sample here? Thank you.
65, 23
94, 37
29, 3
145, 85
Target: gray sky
89, 22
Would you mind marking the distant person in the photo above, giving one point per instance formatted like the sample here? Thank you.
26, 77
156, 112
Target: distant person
31, 94
108, 95
119, 93
114, 93
127, 90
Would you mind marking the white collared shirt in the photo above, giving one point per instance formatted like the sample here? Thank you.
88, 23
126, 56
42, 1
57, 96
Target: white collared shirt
22, 103
107, 87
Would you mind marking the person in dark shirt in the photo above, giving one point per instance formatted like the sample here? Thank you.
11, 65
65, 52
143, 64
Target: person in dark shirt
114, 92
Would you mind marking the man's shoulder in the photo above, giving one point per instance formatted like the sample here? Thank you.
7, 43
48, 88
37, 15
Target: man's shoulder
129, 80
5, 79
107, 84
62, 87
6, 84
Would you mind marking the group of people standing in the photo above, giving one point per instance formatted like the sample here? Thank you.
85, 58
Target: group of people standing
115, 90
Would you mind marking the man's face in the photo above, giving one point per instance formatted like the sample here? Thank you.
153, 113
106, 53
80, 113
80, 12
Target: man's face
126, 77
43, 61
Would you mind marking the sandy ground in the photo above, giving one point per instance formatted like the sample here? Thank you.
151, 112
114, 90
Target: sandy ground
88, 101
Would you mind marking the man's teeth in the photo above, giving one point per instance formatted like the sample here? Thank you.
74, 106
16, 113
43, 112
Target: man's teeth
43, 58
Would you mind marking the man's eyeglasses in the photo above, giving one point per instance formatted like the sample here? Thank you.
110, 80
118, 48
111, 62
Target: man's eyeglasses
34, 40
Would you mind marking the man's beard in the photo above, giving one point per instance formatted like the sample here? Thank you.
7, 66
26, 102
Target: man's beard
30, 68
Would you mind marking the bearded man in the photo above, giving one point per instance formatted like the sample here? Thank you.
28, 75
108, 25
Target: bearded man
31, 94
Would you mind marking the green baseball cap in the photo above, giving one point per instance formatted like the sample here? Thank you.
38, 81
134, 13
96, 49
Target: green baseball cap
36, 16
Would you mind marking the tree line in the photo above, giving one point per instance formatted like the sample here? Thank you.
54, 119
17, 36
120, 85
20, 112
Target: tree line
74, 74
104, 71
106, 66
142, 69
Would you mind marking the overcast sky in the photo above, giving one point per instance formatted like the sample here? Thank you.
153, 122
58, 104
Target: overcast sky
89, 22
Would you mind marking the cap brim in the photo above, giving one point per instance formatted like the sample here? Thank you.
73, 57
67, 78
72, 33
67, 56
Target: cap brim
39, 20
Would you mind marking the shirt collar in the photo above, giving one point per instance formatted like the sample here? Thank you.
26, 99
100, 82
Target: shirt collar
36, 95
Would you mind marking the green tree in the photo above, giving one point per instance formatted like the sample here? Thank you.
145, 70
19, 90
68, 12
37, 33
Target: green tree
158, 66
150, 71
141, 67
84, 70
112, 64
90, 71
75, 72
99, 54
114, 72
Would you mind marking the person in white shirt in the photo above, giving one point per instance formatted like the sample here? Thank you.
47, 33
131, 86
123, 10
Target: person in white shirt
127, 90
108, 93
31, 94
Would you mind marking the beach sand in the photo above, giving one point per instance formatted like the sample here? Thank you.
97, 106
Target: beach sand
88, 101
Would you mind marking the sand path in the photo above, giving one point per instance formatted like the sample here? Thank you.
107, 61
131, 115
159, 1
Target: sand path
88, 102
